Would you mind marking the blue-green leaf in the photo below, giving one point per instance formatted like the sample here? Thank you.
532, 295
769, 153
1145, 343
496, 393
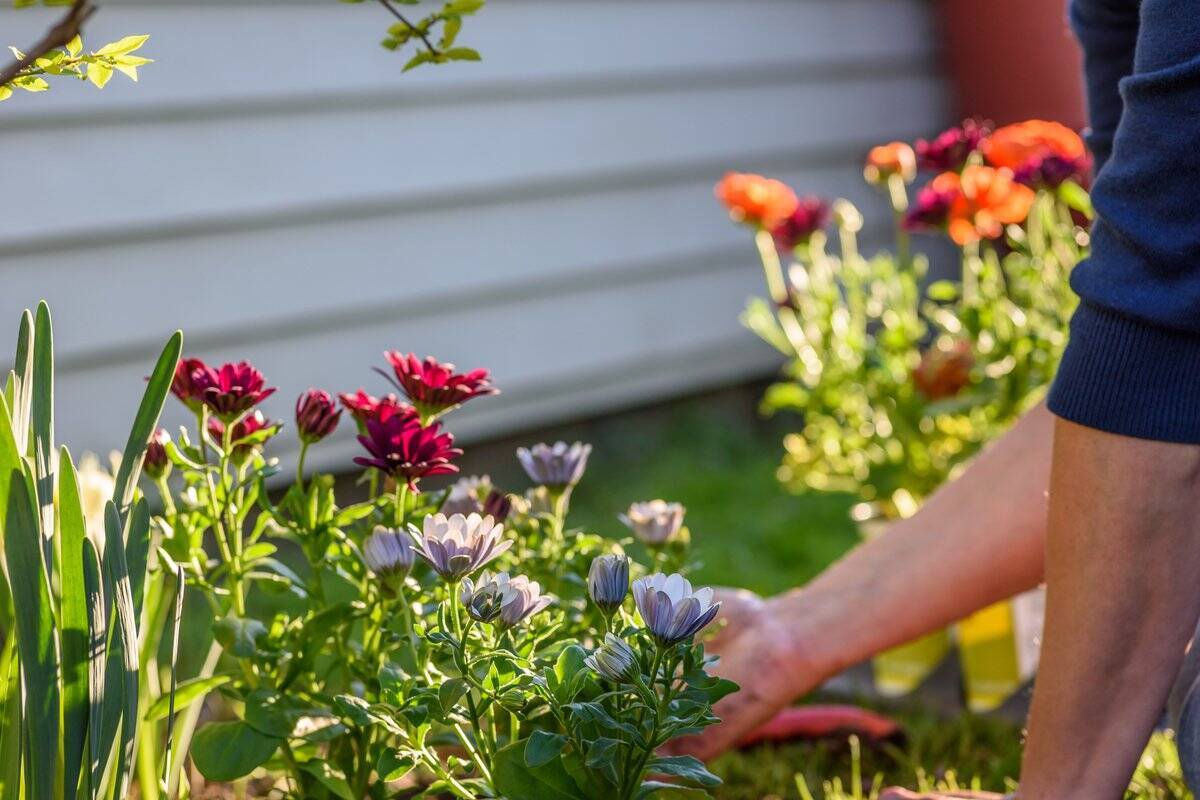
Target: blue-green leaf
146, 420
137, 553
42, 415
117, 571
226, 751
97, 606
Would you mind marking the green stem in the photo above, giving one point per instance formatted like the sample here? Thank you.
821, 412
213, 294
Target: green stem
300, 465
401, 502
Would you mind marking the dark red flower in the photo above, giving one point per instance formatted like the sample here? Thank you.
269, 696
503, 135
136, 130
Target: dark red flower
401, 447
156, 463
192, 377
930, 209
316, 415
363, 407
498, 505
237, 388
248, 433
434, 387
1053, 171
952, 147
811, 214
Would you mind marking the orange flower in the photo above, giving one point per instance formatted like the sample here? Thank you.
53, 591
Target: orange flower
1023, 143
755, 200
894, 158
987, 200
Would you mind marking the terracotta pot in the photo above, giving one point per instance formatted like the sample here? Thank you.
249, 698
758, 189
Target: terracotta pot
1010, 60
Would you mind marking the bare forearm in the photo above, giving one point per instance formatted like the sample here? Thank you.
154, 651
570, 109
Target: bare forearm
1122, 600
978, 540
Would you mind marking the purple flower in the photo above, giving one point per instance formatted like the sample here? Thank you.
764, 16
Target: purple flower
654, 522
434, 387
388, 553
503, 600
1053, 171
456, 546
192, 377
931, 207
232, 390
465, 495
608, 581
316, 416
497, 504
401, 447
671, 610
556, 466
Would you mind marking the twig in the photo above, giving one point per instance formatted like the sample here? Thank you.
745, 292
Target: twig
64, 31
395, 12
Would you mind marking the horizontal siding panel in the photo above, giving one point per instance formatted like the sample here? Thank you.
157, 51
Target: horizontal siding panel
536, 347
228, 286
228, 168
220, 53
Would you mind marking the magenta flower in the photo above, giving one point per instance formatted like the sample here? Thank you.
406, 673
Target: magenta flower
234, 390
316, 416
434, 387
401, 447
248, 433
156, 463
930, 209
952, 147
192, 377
1053, 171
809, 217
363, 407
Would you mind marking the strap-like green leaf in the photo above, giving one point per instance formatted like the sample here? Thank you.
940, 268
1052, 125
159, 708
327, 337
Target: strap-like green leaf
137, 553
10, 719
23, 371
146, 420
173, 693
73, 619
34, 629
42, 415
97, 606
117, 573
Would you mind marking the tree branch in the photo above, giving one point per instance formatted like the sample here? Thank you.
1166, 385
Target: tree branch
396, 13
64, 31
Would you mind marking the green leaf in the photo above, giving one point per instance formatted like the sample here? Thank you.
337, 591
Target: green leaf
462, 54
516, 781
126, 44
1076, 197
239, 636
542, 747
568, 669
394, 764
420, 58
668, 791
689, 768
73, 612
34, 620
117, 571
943, 291
10, 719
186, 693
602, 757
97, 605
330, 778
450, 692
226, 751
146, 419
23, 369
42, 415
99, 74
137, 553
464, 6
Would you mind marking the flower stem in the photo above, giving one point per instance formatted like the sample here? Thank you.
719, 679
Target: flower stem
300, 465
401, 502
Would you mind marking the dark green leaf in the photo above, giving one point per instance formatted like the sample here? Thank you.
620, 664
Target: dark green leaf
239, 636
516, 781
42, 415
687, 767
668, 791
97, 606
542, 747
450, 692
602, 757
394, 764
226, 751
146, 420
117, 570
73, 611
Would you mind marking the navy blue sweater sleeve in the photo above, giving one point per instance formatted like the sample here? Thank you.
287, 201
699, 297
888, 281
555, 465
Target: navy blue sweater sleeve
1132, 365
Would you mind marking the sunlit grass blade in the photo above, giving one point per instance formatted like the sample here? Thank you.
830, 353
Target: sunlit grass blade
73, 618
97, 607
117, 570
146, 420
34, 629
42, 416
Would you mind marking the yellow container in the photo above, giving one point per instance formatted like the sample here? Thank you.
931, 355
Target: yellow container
902, 669
998, 649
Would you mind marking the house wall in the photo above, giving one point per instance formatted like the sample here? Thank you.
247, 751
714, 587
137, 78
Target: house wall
276, 188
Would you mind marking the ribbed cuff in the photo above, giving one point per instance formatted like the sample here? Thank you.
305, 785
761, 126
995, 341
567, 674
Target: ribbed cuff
1124, 376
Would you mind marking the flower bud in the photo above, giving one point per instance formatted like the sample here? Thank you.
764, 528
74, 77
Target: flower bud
316, 416
608, 581
497, 504
388, 553
156, 463
810, 216
614, 660
483, 602
558, 466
